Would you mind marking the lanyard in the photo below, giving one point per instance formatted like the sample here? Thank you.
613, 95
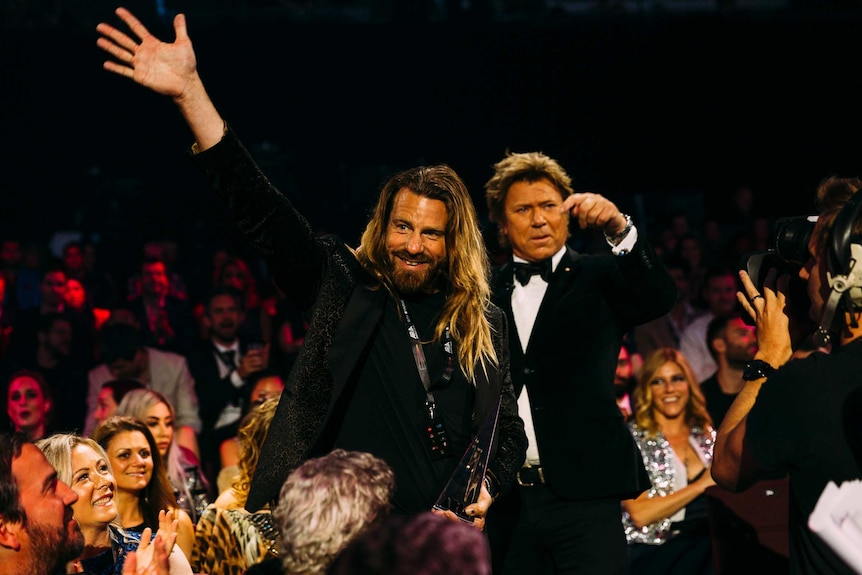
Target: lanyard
419, 357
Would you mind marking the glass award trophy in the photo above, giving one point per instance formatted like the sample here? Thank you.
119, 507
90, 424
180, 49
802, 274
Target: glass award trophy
465, 483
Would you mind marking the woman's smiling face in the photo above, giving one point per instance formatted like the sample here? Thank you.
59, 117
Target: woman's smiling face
94, 485
131, 460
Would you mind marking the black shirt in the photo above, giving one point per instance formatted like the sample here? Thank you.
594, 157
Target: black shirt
386, 414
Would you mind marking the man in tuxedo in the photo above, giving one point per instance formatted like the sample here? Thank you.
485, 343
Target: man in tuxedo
568, 322
221, 367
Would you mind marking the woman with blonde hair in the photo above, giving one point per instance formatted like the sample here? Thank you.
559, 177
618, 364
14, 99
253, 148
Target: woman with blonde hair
183, 469
253, 536
667, 527
83, 465
143, 487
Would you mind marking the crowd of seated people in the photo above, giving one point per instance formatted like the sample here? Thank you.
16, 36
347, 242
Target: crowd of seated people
183, 381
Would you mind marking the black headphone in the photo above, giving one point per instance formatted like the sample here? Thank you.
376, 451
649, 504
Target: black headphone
844, 267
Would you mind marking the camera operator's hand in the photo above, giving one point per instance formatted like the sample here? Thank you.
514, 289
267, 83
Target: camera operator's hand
768, 310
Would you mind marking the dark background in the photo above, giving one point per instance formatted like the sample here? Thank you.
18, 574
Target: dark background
658, 106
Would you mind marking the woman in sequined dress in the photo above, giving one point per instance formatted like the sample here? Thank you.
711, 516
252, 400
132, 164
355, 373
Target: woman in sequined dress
667, 527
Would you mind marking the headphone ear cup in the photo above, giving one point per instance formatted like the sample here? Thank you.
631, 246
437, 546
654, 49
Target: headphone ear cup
842, 237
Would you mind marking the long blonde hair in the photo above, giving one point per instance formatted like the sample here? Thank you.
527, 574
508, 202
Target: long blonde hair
468, 268
695, 410
252, 432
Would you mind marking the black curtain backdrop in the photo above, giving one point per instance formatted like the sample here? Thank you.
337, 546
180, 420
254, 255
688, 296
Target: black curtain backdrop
658, 111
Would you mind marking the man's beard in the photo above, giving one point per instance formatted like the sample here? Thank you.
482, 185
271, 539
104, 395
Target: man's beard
53, 547
622, 387
409, 282
738, 358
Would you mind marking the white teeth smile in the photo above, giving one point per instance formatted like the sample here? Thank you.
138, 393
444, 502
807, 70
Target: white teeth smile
102, 501
670, 399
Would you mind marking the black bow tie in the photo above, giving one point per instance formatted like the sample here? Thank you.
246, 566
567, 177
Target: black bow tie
524, 271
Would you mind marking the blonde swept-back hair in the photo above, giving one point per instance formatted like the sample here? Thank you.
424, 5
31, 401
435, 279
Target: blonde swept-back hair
58, 448
327, 502
521, 167
252, 432
468, 266
695, 411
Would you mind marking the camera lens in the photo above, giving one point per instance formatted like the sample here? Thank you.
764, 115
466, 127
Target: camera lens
792, 236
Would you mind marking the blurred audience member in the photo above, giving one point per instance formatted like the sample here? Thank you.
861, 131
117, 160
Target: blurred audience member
65, 377
78, 300
28, 404
10, 263
666, 331
719, 295
124, 356
183, 467
624, 382
667, 527
422, 544
733, 344
143, 488
234, 273
290, 326
166, 320
221, 367
254, 536
98, 287
7, 316
164, 251
264, 384
52, 290
110, 396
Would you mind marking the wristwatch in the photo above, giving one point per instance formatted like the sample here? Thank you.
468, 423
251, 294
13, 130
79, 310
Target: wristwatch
757, 369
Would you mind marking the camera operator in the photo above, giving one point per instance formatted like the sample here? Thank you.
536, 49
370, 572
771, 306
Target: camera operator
797, 419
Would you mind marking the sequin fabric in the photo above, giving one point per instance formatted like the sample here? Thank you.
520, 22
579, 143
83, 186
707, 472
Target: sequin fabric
658, 460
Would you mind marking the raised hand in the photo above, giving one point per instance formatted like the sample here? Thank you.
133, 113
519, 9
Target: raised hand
594, 211
168, 69
168, 524
152, 562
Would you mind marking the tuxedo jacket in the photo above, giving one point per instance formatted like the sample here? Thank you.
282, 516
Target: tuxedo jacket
568, 369
322, 275
214, 391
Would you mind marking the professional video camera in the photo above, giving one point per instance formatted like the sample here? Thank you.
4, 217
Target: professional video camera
792, 236
842, 259
789, 255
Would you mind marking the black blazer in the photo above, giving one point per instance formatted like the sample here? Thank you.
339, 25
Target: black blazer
568, 369
214, 391
322, 275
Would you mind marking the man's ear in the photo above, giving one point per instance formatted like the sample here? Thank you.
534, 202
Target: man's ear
719, 345
9, 534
